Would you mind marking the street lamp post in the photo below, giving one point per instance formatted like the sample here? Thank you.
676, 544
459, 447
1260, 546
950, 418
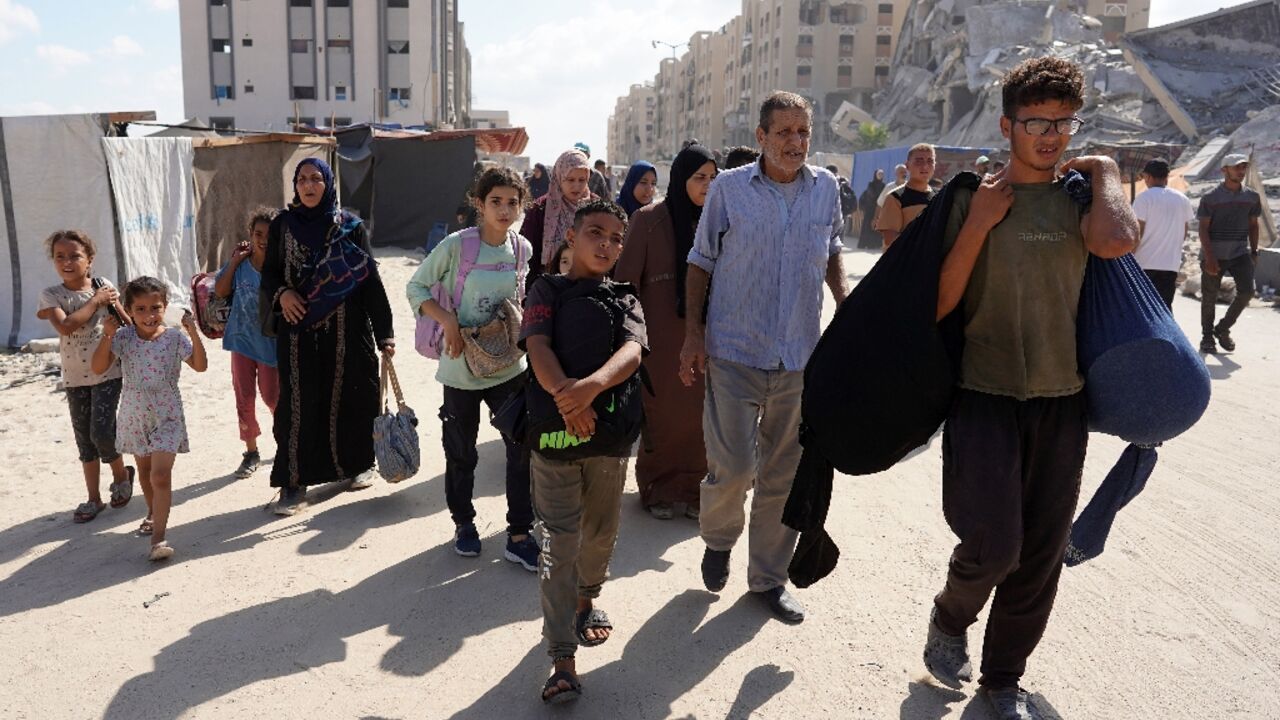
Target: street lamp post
675, 139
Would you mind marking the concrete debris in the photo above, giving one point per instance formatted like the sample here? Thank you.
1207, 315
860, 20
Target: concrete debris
951, 57
1209, 71
1261, 137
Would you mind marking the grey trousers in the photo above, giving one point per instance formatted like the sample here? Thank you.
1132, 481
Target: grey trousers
1241, 269
751, 422
577, 504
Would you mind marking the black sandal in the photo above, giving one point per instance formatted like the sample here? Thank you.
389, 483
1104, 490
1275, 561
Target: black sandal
572, 693
591, 619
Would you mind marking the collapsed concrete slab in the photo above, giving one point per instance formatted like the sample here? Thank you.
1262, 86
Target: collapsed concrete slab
1208, 72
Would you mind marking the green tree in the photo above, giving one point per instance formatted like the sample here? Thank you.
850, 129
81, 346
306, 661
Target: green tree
872, 136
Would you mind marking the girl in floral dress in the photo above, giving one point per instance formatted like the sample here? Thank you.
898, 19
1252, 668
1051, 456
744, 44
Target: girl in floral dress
150, 424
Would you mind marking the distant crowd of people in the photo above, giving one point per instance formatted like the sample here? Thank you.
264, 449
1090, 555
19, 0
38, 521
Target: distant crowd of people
686, 321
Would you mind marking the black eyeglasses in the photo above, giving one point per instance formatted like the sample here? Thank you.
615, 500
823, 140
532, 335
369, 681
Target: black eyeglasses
1040, 126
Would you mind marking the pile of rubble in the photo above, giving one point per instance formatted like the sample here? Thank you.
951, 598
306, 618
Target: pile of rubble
952, 55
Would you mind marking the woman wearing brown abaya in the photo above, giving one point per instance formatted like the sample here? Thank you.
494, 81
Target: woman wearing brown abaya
673, 459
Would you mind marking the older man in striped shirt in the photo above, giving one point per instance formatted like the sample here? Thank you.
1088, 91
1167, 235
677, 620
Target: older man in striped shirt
769, 235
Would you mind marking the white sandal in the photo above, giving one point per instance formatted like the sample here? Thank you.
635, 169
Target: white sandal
161, 551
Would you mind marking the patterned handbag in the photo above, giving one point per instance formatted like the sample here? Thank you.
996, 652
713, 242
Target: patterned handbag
212, 312
491, 348
395, 435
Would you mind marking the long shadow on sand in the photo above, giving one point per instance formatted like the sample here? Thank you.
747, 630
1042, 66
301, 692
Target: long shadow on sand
114, 558
433, 601
663, 660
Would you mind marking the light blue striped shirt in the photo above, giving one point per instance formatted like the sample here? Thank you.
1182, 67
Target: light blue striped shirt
768, 263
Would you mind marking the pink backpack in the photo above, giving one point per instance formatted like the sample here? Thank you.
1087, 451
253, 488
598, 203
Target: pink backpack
212, 312
428, 337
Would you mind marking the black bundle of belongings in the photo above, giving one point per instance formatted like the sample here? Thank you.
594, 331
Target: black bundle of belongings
587, 331
880, 381
864, 409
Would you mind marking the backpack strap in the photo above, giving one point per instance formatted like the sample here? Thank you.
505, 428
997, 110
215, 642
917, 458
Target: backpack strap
522, 264
468, 253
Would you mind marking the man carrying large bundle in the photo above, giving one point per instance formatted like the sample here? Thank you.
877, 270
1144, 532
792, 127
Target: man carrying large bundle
1015, 438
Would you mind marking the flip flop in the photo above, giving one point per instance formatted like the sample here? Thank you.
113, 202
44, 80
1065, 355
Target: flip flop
573, 693
146, 527
87, 511
593, 619
122, 492
161, 551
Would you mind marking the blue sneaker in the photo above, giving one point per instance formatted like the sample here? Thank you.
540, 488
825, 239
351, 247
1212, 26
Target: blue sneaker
524, 552
466, 541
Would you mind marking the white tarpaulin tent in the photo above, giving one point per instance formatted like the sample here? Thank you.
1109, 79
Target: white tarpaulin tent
52, 177
151, 183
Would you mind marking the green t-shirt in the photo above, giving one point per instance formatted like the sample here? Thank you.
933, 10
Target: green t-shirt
482, 294
1021, 302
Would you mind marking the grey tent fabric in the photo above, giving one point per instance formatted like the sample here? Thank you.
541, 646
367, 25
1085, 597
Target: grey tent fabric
41, 159
231, 180
417, 183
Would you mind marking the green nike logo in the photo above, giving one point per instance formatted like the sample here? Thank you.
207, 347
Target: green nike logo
609, 408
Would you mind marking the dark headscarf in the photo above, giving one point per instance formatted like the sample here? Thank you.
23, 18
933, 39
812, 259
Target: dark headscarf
335, 266
684, 214
872, 193
538, 186
626, 196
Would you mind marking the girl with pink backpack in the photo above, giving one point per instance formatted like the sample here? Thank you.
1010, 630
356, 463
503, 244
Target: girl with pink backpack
467, 296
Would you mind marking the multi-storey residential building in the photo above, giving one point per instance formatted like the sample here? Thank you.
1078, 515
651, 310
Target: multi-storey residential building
264, 64
633, 126
830, 51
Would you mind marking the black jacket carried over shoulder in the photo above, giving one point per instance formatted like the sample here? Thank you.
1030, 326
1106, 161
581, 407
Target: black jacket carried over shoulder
881, 380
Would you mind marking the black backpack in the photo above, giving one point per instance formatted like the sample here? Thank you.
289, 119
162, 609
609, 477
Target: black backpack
587, 331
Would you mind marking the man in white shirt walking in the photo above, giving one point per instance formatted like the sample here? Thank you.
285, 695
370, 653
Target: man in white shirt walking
1163, 214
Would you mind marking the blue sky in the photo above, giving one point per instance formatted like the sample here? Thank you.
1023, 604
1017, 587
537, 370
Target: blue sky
557, 65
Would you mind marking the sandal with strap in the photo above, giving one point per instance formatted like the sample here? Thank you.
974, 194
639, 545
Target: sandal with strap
561, 695
122, 492
147, 527
591, 619
87, 511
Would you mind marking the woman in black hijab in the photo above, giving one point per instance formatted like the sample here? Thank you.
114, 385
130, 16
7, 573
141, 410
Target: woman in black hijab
330, 311
867, 236
539, 182
673, 459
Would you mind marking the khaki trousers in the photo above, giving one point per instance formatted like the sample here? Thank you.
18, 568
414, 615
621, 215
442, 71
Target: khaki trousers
577, 504
751, 422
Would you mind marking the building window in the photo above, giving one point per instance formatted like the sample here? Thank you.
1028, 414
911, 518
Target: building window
304, 92
217, 3
246, 42
397, 3
299, 3
220, 46
398, 94
882, 71
848, 14
224, 92
338, 3
844, 76
339, 92
804, 76
341, 122
886, 8
810, 12
846, 46
340, 44
804, 46
248, 89
299, 46
222, 125
884, 40
397, 47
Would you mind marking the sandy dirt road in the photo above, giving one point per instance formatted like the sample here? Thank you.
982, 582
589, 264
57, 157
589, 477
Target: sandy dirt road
359, 608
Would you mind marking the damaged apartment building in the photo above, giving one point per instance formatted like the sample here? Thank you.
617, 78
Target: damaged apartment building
1178, 83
